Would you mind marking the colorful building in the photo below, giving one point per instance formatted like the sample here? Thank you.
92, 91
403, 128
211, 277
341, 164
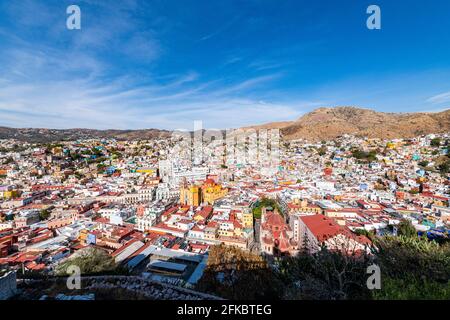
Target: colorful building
276, 236
190, 195
212, 191
247, 219
148, 171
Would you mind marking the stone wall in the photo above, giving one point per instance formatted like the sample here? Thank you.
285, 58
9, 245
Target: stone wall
8, 286
151, 289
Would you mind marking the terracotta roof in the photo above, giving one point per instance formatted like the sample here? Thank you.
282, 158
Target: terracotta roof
322, 227
204, 212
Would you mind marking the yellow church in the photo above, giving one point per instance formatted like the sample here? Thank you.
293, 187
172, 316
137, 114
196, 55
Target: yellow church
190, 195
212, 191
208, 193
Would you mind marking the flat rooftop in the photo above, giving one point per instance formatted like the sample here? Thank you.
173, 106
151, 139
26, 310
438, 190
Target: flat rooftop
167, 265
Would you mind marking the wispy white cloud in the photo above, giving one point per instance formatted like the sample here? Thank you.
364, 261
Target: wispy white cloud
440, 98
29, 13
221, 29
86, 103
51, 87
261, 65
122, 72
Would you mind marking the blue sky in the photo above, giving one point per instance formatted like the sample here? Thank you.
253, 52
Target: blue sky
165, 63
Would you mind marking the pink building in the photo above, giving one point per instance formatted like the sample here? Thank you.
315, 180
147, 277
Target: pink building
318, 230
276, 237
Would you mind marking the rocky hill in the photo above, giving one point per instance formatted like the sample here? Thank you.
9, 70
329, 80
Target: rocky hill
320, 124
329, 123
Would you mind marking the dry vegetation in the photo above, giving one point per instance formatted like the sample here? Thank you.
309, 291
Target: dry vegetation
329, 123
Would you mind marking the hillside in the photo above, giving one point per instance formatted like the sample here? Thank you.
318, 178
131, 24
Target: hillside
329, 123
320, 124
51, 135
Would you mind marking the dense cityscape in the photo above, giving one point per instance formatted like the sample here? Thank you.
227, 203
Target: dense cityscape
233, 158
149, 209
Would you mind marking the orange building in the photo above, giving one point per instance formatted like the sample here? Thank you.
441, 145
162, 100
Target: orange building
208, 193
190, 195
212, 191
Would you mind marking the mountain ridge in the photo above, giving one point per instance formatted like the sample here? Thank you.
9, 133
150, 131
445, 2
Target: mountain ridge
332, 122
320, 124
42, 135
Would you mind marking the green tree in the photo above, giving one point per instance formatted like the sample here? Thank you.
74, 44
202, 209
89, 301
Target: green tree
424, 163
265, 203
412, 268
436, 142
444, 167
235, 274
363, 155
90, 261
8, 160
364, 232
406, 228
322, 151
324, 275
44, 214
